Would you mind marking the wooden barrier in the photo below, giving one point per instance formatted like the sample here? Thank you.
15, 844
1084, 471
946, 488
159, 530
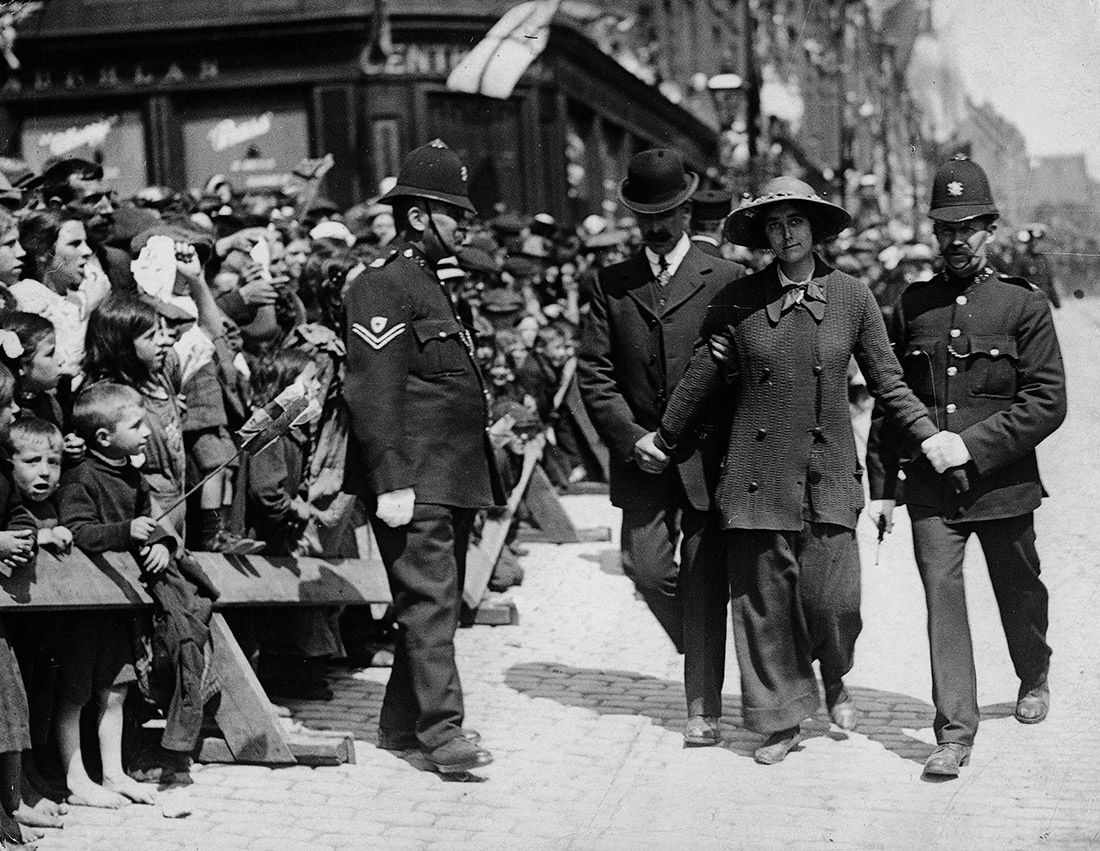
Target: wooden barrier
250, 729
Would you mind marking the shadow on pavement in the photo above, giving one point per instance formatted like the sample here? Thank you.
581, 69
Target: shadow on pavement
884, 716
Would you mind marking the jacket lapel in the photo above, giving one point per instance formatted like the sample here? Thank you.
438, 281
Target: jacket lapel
690, 278
638, 284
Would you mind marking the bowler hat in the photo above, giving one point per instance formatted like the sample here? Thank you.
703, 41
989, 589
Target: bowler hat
434, 172
960, 191
745, 225
710, 205
656, 182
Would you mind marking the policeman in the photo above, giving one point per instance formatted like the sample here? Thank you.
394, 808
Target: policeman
709, 208
419, 453
981, 352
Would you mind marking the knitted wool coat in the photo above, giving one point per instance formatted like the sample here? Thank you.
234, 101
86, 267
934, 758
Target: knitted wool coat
791, 454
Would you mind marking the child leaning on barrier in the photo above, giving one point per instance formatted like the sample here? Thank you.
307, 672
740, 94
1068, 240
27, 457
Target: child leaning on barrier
106, 503
17, 551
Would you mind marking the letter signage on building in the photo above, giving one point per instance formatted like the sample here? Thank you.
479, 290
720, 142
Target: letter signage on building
115, 140
255, 149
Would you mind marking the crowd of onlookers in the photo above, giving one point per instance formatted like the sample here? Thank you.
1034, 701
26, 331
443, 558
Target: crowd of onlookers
154, 327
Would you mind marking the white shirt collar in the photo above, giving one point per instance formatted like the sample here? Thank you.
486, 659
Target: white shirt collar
787, 282
674, 258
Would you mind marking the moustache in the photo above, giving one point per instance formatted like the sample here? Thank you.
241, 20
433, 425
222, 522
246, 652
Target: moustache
660, 235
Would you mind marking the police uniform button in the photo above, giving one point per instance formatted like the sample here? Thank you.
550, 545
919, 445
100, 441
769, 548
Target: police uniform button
960, 300
818, 369
442, 333
955, 332
753, 487
994, 352
951, 407
952, 370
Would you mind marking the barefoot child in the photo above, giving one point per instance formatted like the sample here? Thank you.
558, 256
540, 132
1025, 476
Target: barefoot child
106, 503
17, 550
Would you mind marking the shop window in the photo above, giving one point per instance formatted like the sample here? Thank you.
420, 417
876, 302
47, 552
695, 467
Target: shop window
114, 140
385, 137
255, 148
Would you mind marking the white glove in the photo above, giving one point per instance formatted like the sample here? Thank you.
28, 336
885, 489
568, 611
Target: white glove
396, 507
877, 508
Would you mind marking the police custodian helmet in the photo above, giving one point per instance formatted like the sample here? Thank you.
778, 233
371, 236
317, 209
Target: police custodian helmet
960, 191
435, 172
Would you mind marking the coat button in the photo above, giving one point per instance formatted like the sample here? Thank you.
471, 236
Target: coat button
765, 374
960, 300
817, 432
951, 408
955, 332
952, 370
818, 369
753, 487
814, 477
761, 433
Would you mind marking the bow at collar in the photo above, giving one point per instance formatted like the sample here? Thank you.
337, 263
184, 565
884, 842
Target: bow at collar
809, 295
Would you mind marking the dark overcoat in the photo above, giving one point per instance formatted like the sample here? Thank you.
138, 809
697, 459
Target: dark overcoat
633, 353
417, 403
983, 356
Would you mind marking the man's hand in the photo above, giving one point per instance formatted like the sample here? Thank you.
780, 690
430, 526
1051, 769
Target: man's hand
396, 507
72, 448
141, 528
721, 346
16, 547
187, 261
647, 456
155, 558
945, 450
257, 289
882, 508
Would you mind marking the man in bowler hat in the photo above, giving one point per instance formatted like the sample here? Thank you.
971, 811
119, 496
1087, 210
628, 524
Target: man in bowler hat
419, 453
980, 351
646, 313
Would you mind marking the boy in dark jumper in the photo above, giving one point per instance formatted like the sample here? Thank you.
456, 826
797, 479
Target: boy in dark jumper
106, 505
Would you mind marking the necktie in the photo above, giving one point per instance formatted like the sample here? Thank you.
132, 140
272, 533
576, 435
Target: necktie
663, 275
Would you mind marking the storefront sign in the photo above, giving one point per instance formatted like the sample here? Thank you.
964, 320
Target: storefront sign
116, 141
415, 60
256, 151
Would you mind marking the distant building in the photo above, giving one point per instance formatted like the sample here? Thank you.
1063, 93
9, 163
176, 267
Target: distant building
998, 146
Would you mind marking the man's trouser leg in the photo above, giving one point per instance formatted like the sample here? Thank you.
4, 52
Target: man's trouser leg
939, 549
425, 561
1009, 547
778, 686
648, 544
704, 594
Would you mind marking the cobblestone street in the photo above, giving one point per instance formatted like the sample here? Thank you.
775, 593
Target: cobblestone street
582, 707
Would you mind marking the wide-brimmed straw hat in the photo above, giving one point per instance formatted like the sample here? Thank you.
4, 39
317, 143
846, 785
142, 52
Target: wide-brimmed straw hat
656, 182
745, 225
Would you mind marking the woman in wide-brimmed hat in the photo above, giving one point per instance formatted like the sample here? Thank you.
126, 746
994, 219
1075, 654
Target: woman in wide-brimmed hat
790, 492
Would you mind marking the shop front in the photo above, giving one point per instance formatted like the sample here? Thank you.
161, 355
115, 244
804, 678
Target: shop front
188, 101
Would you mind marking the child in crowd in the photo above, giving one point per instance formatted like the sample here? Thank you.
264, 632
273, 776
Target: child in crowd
36, 454
106, 503
128, 343
295, 644
17, 550
37, 374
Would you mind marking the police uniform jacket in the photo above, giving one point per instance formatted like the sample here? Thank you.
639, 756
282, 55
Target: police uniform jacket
983, 356
413, 390
634, 351
791, 455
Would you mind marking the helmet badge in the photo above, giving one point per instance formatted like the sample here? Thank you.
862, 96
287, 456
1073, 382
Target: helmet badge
954, 188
